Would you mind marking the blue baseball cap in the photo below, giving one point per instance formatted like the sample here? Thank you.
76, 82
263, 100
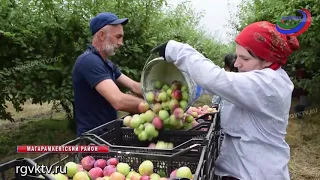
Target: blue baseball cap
103, 19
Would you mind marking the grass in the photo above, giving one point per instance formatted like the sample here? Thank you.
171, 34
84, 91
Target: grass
30, 110
303, 137
34, 125
33, 132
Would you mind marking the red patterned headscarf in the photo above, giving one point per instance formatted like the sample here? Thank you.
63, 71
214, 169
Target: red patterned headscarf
264, 41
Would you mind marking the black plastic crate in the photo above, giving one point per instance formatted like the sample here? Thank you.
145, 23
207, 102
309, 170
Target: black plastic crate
116, 136
213, 148
162, 162
113, 134
121, 138
201, 131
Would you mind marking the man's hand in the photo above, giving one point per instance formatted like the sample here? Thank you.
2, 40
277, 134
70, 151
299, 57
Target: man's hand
132, 85
137, 89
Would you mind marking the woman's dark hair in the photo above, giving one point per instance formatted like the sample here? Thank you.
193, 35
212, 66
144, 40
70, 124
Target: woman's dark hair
229, 61
255, 56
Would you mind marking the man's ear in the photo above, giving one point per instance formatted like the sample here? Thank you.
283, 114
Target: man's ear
101, 35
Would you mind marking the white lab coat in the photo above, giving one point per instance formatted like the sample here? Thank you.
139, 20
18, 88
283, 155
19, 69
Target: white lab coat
254, 117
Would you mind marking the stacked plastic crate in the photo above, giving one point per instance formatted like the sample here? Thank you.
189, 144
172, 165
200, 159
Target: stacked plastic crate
196, 148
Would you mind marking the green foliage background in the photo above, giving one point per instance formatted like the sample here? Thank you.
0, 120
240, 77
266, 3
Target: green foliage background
41, 39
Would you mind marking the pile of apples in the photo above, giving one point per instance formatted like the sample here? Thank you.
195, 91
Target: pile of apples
161, 145
111, 169
200, 111
168, 97
167, 113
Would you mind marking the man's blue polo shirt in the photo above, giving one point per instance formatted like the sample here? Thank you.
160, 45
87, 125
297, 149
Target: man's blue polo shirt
92, 109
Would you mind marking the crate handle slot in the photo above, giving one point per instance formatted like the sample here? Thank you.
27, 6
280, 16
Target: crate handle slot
203, 142
186, 150
162, 155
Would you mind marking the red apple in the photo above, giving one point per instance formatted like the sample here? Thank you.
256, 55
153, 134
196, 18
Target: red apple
96, 172
108, 170
152, 145
101, 163
87, 162
112, 161
176, 94
145, 178
178, 113
173, 174
157, 122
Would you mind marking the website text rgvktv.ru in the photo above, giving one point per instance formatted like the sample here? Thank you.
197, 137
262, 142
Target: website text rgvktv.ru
25, 170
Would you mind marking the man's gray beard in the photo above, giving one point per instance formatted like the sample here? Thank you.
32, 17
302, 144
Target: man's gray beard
110, 51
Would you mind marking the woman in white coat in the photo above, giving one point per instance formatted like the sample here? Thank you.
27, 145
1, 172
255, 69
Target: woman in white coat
257, 100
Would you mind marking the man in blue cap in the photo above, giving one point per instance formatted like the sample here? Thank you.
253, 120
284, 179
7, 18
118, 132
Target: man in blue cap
95, 78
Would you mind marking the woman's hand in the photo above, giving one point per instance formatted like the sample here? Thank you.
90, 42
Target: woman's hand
161, 49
